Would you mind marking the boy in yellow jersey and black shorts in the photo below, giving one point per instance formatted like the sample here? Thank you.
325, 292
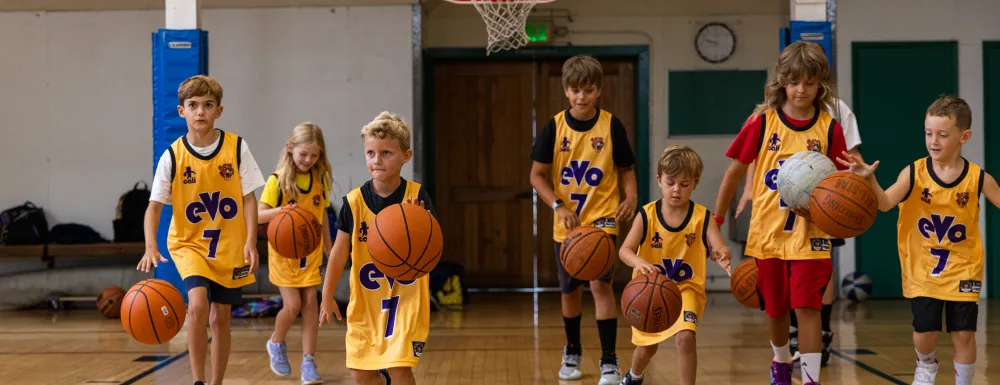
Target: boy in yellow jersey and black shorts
387, 320
588, 151
940, 246
672, 237
209, 176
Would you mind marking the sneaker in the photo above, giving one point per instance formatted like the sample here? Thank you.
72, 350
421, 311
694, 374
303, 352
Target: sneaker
793, 345
570, 369
385, 376
925, 373
279, 358
629, 380
827, 348
610, 375
310, 376
781, 373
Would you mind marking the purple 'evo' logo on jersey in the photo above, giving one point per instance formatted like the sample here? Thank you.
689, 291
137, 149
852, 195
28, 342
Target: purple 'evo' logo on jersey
213, 204
941, 227
581, 172
676, 269
369, 277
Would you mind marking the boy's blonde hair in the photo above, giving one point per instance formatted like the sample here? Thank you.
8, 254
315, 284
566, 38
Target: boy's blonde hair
304, 133
800, 60
679, 160
953, 107
582, 70
199, 85
388, 125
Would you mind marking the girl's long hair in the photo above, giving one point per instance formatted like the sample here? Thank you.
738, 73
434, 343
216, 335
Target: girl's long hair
800, 60
303, 134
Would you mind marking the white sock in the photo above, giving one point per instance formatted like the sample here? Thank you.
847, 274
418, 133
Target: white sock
810, 367
926, 359
631, 373
964, 373
782, 353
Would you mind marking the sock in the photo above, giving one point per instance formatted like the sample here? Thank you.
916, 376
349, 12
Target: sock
926, 359
810, 367
827, 310
637, 377
964, 373
607, 330
307, 357
782, 353
573, 332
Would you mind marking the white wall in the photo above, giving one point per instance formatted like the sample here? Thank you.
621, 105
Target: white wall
969, 22
77, 83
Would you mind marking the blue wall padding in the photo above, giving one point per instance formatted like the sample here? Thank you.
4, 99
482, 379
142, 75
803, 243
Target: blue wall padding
818, 31
177, 55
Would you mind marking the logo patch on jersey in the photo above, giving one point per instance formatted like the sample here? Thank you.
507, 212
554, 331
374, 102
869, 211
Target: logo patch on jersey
774, 144
189, 175
657, 241
316, 200
226, 171
820, 244
418, 348
564, 145
241, 272
676, 269
597, 144
926, 195
941, 227
970, 286
962, 199
363, 232
605, 223
814, 145
689, 316
689, 239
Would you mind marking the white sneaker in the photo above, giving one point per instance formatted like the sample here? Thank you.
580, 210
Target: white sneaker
570, 369
610, 375
925, 373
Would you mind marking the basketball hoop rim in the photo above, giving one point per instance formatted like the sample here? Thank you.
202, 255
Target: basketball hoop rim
469, 2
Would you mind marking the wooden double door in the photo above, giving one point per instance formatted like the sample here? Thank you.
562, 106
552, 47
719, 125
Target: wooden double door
486, 115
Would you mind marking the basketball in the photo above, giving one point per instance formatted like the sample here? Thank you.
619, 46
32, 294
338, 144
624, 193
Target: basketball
153, 311
109, 302
799, 174
587, 253
743, 283
843, 205
294, 232
857, 286
651, 302
405, 241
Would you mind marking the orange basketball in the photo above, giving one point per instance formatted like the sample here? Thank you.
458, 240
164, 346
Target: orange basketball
109, 302
651, 302
843, 205
405, 241
294, 232
153, 311
587, 253
743, 283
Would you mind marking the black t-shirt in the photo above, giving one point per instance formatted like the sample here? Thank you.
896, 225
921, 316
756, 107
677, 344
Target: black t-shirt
621, 151
375, 203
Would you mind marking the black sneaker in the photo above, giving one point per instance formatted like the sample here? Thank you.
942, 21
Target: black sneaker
827, 347
199, 383
629, 380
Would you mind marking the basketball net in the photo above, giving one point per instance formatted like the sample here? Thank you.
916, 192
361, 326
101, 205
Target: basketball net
505, 21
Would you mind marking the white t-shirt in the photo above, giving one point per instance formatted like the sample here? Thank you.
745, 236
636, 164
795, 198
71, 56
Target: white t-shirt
250, 175
849, 122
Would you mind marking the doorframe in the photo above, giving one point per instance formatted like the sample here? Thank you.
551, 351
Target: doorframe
639, 53
991, 159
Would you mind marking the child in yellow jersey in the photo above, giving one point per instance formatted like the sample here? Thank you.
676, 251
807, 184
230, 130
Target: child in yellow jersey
387, 320
209, 176
302, 179
672, 237
940, 246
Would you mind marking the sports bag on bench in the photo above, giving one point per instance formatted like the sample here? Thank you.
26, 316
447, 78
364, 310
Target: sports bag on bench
23, 225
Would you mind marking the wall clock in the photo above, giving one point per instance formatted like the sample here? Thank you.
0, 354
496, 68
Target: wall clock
715, 42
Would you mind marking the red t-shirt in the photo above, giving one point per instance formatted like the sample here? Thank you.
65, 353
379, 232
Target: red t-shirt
747, 144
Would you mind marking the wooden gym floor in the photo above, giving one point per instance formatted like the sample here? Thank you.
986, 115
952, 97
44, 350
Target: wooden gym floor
498, 339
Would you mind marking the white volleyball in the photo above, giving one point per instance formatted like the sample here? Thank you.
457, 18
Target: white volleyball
799, 175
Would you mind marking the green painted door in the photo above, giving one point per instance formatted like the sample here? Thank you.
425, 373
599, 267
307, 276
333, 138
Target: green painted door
991, 110
894, 83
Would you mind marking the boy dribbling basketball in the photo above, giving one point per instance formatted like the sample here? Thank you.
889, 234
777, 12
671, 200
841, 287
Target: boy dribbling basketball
940, 245
588, 151
792, 253
387, 320
209, 176
672, 237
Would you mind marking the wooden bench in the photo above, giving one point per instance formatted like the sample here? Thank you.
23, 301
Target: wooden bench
48, 253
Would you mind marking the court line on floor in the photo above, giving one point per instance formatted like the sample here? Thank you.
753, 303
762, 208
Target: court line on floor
159, 366
870, 369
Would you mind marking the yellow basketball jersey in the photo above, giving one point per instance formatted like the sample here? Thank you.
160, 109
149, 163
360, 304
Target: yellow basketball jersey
940, 248
680, 254
208, 230
291, 272
776, 231
584, 174
387, 320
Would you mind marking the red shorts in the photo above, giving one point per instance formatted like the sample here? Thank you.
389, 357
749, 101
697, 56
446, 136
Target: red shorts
786, 285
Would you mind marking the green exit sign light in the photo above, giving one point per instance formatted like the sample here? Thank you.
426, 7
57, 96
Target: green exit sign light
537, 32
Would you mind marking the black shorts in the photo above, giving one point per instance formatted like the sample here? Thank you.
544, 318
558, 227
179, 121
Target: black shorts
216, 292
960, 316
568, 284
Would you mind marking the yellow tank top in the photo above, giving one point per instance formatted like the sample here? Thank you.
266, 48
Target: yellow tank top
584, 175
776, 231
679, 252
208, 230
384, 315
940, 248
304, 272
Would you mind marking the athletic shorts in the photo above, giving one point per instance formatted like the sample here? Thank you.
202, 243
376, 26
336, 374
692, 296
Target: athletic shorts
568, 284
216, 292
785, 285
960, 316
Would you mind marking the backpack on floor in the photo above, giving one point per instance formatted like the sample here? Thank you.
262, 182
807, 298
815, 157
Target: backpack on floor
130, 213
23, 225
